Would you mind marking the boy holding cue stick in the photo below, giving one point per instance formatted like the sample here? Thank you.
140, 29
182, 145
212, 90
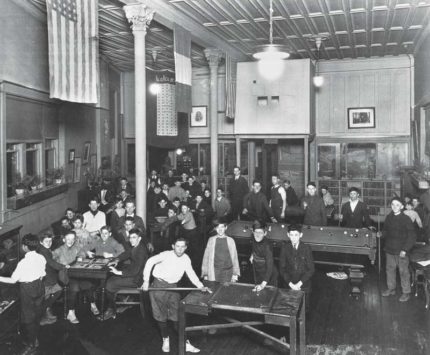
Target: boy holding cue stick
168, 268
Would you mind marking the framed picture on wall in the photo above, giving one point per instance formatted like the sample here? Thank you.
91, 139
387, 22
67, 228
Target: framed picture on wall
77, 170
71, 156
87, 150
361, 117
199, 116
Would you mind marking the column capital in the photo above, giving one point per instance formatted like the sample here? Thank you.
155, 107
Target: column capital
213, 56
139, 15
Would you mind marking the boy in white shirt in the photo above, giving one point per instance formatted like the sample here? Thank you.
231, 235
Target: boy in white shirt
30, 272
169, 267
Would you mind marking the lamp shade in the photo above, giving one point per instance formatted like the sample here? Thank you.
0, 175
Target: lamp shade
271, 51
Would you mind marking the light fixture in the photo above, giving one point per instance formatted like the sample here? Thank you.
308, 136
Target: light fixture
271, 51
179, 151
318, 80
154, 88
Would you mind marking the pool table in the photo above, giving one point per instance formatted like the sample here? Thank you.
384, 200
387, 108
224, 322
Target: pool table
284, 308
325, 239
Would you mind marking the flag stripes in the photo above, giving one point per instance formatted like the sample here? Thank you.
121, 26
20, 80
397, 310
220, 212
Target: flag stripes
73, 50
183, 69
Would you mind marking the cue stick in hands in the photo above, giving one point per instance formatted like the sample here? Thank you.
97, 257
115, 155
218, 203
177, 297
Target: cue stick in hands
202, 289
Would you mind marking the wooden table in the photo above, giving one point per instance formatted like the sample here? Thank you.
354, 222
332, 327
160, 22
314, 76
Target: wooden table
92, 269
321, 239
271, 306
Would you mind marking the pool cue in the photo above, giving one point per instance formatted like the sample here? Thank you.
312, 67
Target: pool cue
174, 289
379, 245
340, 211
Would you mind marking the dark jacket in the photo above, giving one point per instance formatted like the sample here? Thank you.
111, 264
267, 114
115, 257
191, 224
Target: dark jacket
292, 199
138, 257
257, 206
399, 233
263, 264
296, 265
52, 267
121, 237
237, 191
138, 221
357, 219
315, 213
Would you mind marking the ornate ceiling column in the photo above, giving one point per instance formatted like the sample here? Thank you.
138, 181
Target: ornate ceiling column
140, 16
214, 55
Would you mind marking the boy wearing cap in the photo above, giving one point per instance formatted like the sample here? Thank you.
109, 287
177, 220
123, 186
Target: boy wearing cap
355, 213
313, 205
30, 272
295, 261
399, 234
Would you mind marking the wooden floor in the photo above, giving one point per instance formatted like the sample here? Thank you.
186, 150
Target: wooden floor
335, 320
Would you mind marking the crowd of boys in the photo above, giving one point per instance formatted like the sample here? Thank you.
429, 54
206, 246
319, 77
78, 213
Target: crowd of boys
43, 270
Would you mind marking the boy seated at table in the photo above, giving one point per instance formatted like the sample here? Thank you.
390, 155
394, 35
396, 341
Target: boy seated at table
30, 272
67, 254
83, 237
52, 287
265, 271
131, 274
169, 267
295, 261
105, 246
220, 260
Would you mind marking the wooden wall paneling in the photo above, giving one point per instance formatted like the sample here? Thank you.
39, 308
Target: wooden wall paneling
337, 107
401, 102
367, 89
322, 113
383, 109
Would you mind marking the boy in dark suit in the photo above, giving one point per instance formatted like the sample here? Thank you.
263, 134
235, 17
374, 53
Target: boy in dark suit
296, 262
354, 213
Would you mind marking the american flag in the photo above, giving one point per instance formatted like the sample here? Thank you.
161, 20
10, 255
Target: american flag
73, 50
183, 69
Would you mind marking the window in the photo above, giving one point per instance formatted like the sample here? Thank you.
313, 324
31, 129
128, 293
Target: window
365, 161
32, 160
29, 163
11, 167
50, 157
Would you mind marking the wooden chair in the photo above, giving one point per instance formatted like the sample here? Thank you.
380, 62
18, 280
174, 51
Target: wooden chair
133, 302
421, 276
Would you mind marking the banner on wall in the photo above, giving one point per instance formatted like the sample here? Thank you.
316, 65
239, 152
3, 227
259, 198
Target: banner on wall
166, 127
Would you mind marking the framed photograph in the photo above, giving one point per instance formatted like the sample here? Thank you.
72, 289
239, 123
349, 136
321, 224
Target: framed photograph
361, 117
77, 170
87, 150
93, 163
199, 116
71, 155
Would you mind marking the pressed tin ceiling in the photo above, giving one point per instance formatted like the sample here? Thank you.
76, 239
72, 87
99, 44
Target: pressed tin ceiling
349, 28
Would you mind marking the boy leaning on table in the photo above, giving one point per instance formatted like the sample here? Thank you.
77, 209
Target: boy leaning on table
168, 267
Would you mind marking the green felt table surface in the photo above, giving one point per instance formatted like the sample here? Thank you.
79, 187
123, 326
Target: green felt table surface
328, 235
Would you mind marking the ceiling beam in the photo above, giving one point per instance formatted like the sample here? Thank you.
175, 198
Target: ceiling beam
167, 15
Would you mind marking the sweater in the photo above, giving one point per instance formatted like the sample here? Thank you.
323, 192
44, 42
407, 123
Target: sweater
52, 266
399, 233
138, 256
209, 257
315, 213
